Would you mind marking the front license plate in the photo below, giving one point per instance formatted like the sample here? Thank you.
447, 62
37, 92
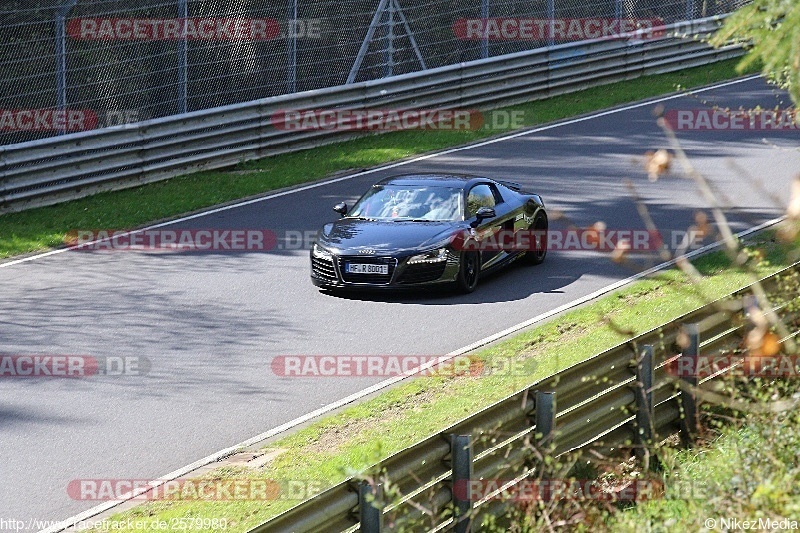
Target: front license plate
358, 268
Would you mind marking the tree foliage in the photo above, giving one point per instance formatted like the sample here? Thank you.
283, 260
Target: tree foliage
771, 29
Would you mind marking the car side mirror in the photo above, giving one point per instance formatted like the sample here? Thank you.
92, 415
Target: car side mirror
341, 208
484, 213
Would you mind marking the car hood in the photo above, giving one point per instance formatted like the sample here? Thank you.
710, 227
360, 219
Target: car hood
349, 235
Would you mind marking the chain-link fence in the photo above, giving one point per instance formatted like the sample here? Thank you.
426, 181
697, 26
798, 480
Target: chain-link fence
71, 65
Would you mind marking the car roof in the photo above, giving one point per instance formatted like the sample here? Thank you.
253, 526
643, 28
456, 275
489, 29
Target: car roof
442, 180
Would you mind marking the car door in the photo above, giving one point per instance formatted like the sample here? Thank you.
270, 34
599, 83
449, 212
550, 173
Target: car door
486, 195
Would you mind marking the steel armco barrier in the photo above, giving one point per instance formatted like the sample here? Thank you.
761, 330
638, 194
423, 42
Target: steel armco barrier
72, 166
622, 397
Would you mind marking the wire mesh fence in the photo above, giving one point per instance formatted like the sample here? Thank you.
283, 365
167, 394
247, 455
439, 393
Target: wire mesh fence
73, 65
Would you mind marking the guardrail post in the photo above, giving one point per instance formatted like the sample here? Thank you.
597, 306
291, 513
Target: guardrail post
690, 420
461, 458
644, 402
370, 512
545, 418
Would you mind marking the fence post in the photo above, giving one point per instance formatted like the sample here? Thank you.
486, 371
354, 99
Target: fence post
644, 401
61, 56
370, 512
362, 52
545, 419
690, 421
461, 458
388, 70
183, 59
292, 48
485, 38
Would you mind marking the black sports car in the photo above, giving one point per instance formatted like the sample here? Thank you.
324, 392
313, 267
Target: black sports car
423, 230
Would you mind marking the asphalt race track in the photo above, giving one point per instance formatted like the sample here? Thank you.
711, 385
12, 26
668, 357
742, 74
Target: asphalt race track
210, 323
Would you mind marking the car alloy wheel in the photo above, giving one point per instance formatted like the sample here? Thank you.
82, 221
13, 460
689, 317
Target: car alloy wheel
469, 272
539, 227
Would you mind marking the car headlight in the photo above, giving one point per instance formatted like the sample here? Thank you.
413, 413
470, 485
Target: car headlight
434, 256
321, 253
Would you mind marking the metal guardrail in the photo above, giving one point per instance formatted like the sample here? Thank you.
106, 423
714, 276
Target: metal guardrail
604, 401
72, 166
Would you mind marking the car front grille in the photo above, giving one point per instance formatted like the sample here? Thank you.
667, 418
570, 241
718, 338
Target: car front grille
324, 270
375, 279
423, 272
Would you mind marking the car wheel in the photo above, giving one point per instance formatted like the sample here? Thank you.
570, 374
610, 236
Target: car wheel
539, 227
469, 272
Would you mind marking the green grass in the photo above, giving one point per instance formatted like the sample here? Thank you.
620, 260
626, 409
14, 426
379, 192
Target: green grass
748, 472
337, 446
44, 228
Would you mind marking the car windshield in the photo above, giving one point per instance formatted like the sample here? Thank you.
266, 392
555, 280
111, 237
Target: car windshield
420, 203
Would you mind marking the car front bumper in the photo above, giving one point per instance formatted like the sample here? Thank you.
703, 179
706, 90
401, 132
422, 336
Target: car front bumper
331, 273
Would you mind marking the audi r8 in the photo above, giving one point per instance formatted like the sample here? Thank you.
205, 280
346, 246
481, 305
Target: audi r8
429, 230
